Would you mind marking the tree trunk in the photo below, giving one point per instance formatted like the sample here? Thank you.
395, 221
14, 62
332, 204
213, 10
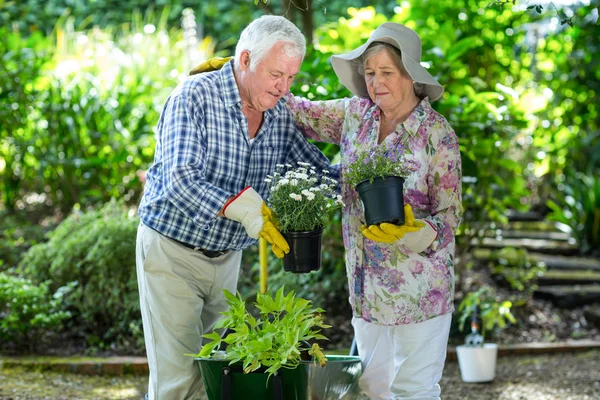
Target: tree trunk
300, 13
307, 21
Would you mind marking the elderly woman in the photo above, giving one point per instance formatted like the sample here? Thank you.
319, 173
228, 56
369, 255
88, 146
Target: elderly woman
400, 277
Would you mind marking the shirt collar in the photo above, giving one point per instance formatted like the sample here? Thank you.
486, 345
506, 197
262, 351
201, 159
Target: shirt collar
231, 93
416, 118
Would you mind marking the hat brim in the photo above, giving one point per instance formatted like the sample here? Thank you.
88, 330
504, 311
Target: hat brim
344, 66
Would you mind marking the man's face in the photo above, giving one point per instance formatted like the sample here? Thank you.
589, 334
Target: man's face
262, 88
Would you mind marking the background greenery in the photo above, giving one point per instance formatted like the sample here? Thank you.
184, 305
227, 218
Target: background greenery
82, 84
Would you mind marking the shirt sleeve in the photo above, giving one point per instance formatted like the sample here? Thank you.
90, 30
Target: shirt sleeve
180, 131
444, 181
319, 120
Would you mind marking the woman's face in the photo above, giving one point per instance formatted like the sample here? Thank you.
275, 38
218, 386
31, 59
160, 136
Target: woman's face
388, 87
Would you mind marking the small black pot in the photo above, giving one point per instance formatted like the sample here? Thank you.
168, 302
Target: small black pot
383, 200
305, 251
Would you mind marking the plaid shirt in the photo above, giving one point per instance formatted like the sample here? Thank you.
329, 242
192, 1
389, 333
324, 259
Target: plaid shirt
204, 155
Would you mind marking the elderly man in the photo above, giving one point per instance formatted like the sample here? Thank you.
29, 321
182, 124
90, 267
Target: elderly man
219, 135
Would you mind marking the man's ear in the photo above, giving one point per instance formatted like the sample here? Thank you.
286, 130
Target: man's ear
245, 60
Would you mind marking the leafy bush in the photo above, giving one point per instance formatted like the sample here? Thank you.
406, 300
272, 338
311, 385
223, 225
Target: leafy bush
17, 235
493, 313
95, 249
28, 312
517, 268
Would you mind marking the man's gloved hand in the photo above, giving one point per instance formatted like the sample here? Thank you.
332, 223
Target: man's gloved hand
250, 210
417, 234
212, 64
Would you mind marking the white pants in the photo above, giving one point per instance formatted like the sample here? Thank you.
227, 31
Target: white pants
403, 361
180, 297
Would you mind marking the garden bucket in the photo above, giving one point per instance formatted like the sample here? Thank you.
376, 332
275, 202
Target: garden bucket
477, 364
383, 200
229, 382
305, 251
337, 380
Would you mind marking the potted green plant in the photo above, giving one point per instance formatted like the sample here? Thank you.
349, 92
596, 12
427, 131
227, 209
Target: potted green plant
476, 358
301, 201
267, 344
378, 174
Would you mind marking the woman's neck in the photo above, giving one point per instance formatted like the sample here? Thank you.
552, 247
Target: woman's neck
401, 112
391, 118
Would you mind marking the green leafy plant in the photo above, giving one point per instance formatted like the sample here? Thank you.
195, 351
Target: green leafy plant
492, 313
381, 161
517, 268
29, 311
578, 206
96, 249
275, 339
300, 199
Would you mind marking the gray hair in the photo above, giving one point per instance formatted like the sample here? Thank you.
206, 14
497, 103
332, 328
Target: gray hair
396, 54
262, 34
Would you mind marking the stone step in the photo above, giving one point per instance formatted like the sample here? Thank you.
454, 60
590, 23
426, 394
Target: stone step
547, 226
529, 234
524, 215
537, 245
570, 296
555, 261
568, 277
552, 261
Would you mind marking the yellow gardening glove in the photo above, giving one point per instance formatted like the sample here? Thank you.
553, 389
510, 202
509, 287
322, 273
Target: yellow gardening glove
272, 235
417, 235
212, 64
250, 210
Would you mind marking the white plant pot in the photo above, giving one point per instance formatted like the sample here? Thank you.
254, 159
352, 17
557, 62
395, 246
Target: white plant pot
477, 364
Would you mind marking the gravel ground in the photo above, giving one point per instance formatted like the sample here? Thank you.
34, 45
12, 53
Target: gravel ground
564, 376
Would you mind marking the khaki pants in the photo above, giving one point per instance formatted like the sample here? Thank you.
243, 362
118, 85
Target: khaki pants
403, 361
181, 298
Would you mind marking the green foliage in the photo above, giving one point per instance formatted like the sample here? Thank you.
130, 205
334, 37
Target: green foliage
381, 161
517, 268
17, 235
22, 61
96, 250
577, 205
274, 340
568, 73
86, 117
28, 312
493, 313
300, 199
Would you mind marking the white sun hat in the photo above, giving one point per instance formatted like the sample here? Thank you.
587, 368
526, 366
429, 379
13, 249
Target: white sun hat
404, 39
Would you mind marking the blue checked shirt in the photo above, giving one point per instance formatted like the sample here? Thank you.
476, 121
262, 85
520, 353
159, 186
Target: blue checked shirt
204, 155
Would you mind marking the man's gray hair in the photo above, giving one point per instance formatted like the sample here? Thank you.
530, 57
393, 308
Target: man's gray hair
376, 48
262, 34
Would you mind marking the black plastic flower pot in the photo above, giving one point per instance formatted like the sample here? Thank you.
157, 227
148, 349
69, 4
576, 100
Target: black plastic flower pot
305, 251
383, 200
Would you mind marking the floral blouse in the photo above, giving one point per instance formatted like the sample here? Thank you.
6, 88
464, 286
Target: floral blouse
389, 284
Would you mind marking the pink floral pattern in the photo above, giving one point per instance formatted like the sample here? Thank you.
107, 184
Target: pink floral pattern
389, 284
